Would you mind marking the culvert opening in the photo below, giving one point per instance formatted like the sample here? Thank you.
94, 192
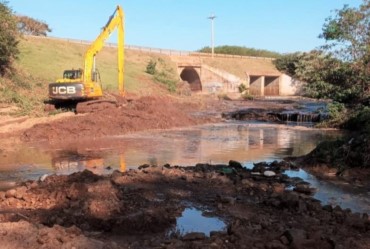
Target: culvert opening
191, 76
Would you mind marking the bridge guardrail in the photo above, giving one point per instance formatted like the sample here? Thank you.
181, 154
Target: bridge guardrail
155, 50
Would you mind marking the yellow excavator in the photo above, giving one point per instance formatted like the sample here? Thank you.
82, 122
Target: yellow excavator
84, 84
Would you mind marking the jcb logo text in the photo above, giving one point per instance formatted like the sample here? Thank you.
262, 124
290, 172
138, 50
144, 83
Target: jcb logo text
64, 90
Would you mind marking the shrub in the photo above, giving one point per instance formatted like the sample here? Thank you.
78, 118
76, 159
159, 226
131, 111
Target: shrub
8, 38
163, 74
242, 88
151, 67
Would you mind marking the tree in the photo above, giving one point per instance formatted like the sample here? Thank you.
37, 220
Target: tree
347, 35
30, 26
8, 38
341, 68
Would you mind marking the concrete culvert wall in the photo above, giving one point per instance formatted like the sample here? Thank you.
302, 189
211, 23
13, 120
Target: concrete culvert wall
272, 85
191, 76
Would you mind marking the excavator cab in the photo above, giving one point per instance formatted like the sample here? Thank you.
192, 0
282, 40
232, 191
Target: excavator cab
72, 74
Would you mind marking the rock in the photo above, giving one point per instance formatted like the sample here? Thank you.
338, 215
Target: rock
43, 177
235, 164
304, 189
328, 208
296, 236
10, 193
194, 236
275, 244
278, 187
269, 173
228, 199
259, 167
2, 195
144, 166
20, 192
263, 187
248, 182
284, 240
217, 233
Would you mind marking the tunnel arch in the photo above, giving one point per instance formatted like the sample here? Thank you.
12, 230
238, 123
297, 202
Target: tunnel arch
190, 75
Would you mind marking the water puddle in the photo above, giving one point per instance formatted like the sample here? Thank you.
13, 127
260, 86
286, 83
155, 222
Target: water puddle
192, 220
336, 193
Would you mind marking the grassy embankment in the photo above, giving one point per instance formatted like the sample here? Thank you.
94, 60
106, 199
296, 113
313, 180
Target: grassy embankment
43, 60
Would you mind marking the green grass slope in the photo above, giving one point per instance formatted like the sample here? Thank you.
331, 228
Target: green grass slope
42, 60
46, 58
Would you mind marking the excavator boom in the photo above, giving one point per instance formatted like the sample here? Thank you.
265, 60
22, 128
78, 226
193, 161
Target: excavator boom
115, 22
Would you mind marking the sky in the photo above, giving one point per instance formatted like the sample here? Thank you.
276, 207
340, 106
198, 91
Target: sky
282, 26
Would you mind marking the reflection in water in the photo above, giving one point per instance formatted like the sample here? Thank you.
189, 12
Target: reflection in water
192, 220
336, 194
220, 143
247, 143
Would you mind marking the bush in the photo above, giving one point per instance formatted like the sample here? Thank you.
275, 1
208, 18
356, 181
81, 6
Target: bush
242, 88
335, 110
8, 39
151, 67
360, 122
238, 50
247, 96
163, 74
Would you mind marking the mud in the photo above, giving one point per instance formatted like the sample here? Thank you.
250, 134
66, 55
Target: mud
138, 114
137, 208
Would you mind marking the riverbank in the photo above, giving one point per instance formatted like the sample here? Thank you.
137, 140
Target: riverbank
131, 115
140, 208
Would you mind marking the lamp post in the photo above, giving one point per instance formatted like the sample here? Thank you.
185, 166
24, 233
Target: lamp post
212, 17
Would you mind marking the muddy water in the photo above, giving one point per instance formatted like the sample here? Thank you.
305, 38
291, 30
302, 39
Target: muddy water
213, 144
218, 143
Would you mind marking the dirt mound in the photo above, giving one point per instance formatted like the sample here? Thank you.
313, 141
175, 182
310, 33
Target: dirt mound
125, 117
138, 208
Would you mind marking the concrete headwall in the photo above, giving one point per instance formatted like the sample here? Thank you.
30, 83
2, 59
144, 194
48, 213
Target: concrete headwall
289, 86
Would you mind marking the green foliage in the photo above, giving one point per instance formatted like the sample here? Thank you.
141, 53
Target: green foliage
336, 109
247, 96
348, 31
340, 71
242, 87
327, 151
360, 121
151, 67
288, 63
326, 77
8, 38
238, 50
163, 73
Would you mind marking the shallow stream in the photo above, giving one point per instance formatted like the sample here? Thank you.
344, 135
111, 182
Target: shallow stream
247, 143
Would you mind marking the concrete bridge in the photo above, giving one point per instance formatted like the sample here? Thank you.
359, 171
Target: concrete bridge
204, 78
260, 79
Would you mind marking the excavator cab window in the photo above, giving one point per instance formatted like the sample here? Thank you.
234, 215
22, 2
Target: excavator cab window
72, 74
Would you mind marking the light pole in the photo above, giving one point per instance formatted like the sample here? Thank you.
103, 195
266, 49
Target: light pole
212, 17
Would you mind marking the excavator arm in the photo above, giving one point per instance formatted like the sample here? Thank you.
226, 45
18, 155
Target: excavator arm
115, 21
